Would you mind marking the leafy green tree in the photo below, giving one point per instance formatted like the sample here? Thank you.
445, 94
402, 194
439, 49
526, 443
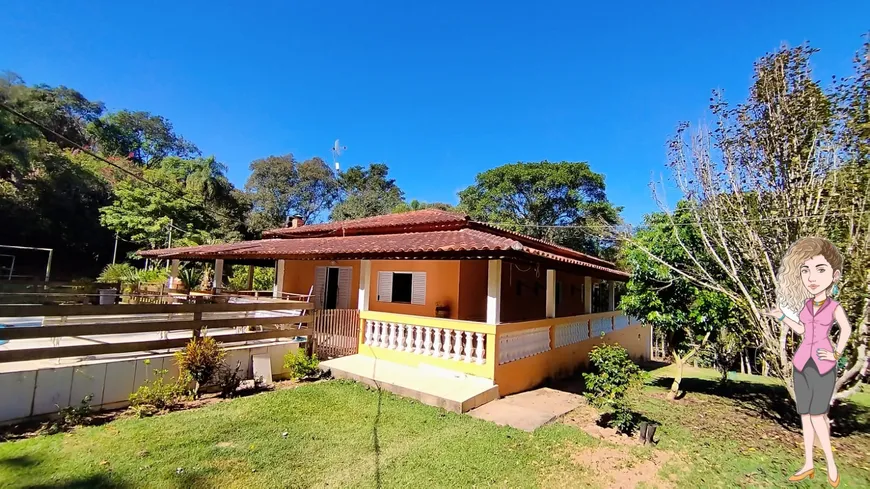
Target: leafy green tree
535, 198
366, 192
140, 136
280, 187
686, 314
198, 194
416, 205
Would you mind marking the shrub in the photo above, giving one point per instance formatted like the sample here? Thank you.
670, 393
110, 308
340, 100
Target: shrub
70, 416
201, 358
229, 379
158, 394
613, 375
190, 278
300, 364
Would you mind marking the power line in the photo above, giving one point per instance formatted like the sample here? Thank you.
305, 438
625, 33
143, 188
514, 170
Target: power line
617, 227
104, 160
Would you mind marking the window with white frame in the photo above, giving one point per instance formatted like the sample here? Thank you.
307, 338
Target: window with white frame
402, 287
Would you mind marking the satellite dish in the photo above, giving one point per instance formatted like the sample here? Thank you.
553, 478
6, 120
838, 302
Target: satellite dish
337, 149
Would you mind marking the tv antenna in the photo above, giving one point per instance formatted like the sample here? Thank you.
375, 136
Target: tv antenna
337, 149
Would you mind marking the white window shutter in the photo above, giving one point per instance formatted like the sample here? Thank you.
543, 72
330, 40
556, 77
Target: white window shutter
385, 286
319, 286
344, 276
418, 288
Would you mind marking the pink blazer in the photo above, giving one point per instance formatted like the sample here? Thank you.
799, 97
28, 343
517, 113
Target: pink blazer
817, 328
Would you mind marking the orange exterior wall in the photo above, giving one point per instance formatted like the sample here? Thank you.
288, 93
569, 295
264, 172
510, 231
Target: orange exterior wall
442, 285
299, 277
528, 373
472, 290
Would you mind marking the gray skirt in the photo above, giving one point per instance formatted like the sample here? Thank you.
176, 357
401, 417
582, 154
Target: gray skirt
812, 390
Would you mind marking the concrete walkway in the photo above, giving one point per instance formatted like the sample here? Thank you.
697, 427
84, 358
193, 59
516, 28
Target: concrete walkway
428, 385
530, 410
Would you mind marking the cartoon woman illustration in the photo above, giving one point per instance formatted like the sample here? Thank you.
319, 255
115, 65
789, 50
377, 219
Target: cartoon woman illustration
806, 280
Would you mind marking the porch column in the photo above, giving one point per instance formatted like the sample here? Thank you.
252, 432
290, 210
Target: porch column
493, 292
250, 277
218, 275
611, 289
365, 279
278, 287
587, 295
551, 293
173, 274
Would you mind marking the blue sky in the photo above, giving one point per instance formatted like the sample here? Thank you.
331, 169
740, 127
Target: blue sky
437, 90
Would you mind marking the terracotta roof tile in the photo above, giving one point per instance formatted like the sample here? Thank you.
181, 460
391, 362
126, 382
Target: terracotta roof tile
376, 244
427, 219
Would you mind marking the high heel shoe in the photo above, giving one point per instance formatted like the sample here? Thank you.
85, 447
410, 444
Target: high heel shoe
835, 483
803, 475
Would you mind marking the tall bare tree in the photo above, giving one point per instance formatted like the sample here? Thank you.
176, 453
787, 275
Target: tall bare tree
769, 171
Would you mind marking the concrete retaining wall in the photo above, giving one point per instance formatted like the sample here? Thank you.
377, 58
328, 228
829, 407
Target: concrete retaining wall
37, 392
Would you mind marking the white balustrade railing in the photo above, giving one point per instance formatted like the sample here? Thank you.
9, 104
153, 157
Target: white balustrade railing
523, 344
570, 333
446, 343
602, 325
620, 321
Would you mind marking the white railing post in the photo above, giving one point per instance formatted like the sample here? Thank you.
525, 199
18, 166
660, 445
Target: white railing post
457, 346
409, 343
427, 343
400, 339
392, 344
447, 337
436, 344
469, 346
368, 335
418, 339
481, 347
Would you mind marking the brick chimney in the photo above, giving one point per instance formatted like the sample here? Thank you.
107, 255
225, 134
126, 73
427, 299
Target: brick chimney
296, 222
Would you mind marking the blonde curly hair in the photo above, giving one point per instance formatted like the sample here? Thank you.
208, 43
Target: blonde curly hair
790, 290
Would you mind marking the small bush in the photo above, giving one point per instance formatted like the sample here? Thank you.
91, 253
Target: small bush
229, 379
613, 376
69, 416
158, 394
201, 358
300, 364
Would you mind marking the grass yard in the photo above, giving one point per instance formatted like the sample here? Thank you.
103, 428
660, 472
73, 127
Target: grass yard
340, 434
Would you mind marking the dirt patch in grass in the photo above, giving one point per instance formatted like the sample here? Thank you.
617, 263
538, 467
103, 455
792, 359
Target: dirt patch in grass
586, 418
617, 468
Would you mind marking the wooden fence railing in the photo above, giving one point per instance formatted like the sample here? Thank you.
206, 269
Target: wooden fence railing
336, 332
273, 319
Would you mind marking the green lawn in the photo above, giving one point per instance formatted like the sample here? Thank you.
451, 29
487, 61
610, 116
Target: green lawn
343, 435
339, 435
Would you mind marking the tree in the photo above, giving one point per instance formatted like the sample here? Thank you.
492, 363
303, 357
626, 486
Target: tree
140, 136
775, 169
197, 195
47, 197
366, 193
279, 187
416, 205
536, 198
686, 314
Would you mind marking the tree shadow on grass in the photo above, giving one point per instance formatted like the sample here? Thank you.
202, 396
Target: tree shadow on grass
94, 481
772, 402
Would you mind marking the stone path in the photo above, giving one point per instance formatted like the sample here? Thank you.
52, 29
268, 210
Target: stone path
529, 410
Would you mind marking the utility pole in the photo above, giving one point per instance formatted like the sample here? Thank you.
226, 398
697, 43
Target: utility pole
170, 234
115, 253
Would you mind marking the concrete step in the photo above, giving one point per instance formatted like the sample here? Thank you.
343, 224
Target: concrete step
428, 386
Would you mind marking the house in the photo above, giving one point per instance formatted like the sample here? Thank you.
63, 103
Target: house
440, 296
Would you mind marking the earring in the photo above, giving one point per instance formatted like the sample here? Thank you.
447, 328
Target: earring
835, 290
